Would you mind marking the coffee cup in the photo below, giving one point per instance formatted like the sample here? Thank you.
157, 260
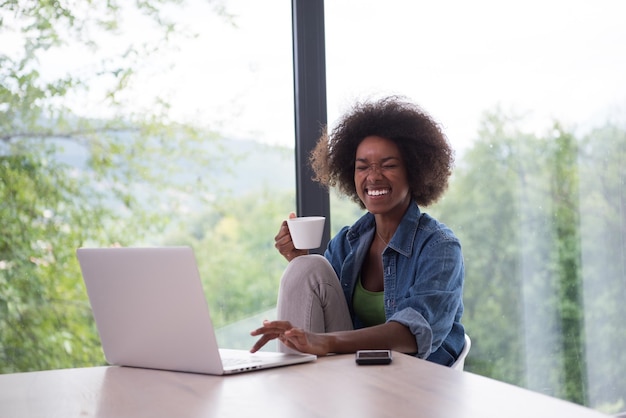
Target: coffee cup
306, 231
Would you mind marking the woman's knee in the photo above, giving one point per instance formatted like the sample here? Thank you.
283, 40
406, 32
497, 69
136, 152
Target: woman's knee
307, 267
308, 262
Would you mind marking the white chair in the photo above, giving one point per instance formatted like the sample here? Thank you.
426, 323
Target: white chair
460, 362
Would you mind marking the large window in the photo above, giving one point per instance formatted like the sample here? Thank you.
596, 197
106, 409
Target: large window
189, 140
532, 96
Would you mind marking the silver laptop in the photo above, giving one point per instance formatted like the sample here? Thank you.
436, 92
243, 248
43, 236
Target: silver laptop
151, 312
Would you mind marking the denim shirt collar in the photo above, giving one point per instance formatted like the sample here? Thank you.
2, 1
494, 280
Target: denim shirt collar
402, 240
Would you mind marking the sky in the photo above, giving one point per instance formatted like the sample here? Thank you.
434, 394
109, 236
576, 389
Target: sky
543, 59
548, 59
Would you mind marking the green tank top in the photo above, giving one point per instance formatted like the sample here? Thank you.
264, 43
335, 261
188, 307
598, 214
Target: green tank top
368, 306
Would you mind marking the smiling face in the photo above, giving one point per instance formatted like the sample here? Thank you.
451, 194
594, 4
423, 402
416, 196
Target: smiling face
380, 177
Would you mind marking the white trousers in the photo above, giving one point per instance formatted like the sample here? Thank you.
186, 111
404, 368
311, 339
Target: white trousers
311, 298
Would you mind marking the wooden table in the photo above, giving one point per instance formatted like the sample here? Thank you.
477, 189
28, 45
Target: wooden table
330, 387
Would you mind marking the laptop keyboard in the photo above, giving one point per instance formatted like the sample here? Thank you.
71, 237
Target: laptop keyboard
234, 361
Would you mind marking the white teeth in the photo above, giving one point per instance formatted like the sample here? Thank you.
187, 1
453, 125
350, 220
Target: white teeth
377, 192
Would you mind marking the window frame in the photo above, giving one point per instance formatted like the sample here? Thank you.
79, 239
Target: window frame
309, 70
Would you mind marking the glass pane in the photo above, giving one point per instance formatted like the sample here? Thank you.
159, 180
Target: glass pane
531, 96
195, 149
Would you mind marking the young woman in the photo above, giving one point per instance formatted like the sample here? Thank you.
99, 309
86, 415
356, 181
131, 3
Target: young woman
394, 279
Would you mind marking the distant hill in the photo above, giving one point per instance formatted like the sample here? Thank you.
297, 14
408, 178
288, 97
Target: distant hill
251, 165
260, 165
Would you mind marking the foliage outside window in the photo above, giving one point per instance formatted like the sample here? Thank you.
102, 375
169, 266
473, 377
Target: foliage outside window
134, 177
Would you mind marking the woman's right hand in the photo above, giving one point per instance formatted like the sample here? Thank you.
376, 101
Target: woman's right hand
294, 338
284, 244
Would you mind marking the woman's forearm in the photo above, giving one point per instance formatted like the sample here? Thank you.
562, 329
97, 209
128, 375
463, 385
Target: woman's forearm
390, 336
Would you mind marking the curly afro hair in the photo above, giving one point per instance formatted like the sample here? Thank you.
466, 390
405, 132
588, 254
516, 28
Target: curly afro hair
427, 154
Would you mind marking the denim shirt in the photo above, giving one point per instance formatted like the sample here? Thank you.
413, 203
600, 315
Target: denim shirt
423, 279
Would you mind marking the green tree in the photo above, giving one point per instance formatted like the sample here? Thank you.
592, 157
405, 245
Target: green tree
603, 228
44, 320
565, 195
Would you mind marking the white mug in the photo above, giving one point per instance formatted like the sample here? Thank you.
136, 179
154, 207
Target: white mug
306, 231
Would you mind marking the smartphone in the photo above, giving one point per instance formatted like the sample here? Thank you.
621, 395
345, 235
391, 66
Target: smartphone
364, 357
